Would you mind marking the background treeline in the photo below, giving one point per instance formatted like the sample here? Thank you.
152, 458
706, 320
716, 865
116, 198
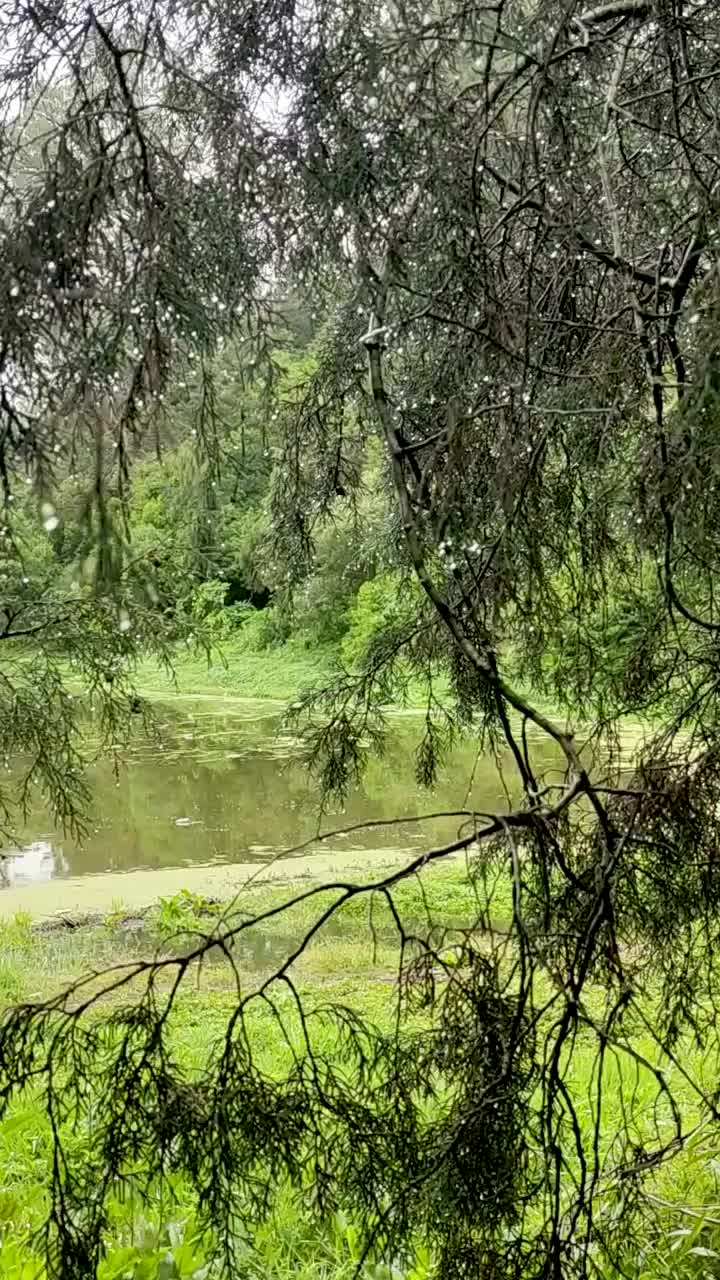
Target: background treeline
197, 515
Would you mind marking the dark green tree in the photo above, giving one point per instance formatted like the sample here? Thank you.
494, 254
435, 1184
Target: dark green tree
510, 212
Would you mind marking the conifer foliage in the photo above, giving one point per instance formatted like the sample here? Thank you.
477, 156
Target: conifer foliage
508, 213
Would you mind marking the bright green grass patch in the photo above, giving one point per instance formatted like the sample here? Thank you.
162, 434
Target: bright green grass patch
162, 1240
234, 669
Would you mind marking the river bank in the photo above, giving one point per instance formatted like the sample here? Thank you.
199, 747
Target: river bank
137, 890
235, 668
224, 780
56, 947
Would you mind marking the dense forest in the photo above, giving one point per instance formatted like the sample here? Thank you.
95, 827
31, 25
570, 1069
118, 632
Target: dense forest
197, 514
387, 331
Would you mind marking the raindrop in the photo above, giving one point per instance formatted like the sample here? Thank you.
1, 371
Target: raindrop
50, 520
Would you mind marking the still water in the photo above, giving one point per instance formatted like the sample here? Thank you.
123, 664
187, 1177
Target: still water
225, 784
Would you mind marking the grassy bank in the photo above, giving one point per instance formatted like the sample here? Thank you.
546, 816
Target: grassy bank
236, 669
161, 1240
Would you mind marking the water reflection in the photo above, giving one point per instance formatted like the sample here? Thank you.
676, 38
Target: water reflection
225, 784
38, 861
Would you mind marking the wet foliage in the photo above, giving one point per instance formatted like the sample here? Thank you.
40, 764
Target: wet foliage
506, 217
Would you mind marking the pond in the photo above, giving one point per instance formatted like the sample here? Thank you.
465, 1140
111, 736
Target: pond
225, 785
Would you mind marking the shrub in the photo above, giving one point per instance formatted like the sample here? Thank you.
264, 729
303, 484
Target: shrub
377, 603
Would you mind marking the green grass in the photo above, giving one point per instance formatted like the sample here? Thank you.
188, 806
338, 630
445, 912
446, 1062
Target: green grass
158, 1243
162, 1240
234, 669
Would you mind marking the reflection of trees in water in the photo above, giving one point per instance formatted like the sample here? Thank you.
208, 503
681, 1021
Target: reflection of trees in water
35, 862
242, 798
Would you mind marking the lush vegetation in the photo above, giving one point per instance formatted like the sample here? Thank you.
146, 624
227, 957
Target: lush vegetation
418, 309
160, 1235
199, 529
